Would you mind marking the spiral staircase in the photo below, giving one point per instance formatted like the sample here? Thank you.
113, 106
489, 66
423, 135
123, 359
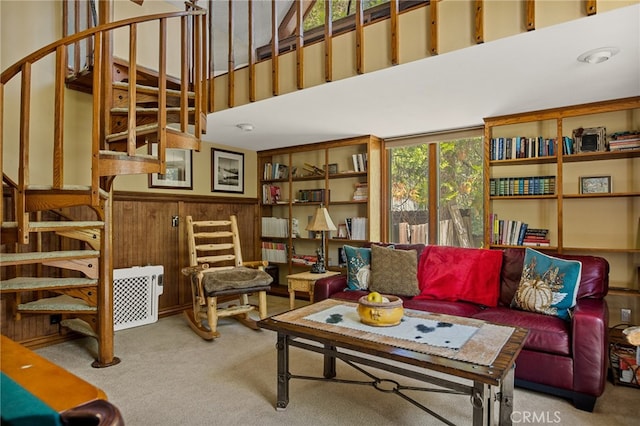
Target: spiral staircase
58, 265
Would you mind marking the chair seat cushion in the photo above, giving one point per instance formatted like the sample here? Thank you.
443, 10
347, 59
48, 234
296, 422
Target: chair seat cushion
239, 278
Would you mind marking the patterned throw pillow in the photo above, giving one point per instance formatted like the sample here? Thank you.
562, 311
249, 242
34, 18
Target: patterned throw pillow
394, 271
548, 285
358, 267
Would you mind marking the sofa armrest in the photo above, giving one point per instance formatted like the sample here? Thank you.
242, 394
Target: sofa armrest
325, 287
589, 327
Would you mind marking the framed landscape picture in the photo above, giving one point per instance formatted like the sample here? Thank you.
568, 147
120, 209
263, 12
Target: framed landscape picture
595, 184
179, 172
227, 171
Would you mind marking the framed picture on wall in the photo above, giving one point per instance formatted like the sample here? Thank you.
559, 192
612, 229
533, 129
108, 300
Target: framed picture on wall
179, 172
227, 171
595, 184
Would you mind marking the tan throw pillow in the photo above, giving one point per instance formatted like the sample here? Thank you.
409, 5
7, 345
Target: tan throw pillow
394, 271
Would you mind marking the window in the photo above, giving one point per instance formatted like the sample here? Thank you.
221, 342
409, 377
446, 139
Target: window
339, 9
437, 178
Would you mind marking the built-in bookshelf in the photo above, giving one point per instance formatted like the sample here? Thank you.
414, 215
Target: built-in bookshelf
342, 175
593, 158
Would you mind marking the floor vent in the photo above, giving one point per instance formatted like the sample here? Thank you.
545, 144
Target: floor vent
135, 295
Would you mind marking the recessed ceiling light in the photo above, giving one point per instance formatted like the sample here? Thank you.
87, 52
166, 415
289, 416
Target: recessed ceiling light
599, 55
245, 127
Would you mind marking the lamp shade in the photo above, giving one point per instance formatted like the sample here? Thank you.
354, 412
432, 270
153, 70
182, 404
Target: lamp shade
321, 221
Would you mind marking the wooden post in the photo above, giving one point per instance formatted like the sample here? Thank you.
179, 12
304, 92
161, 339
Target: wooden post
328, 42
231, 61
251, 54
433, 39
299, 46
479, 21
530, 15
275, 50
359, 38
394, 32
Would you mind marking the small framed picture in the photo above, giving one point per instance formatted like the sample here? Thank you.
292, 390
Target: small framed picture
178, 174
333, 168
227, 171
595, 184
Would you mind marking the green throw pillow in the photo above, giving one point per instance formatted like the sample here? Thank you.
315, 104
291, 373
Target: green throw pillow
548, 285
394, 271
358, 267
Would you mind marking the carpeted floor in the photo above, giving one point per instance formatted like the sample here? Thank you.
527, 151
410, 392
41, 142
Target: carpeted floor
169, 376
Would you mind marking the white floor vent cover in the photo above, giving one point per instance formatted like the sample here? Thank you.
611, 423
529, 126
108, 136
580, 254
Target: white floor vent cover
135, 295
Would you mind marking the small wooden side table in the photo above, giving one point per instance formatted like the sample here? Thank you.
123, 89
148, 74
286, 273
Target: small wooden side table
304, 281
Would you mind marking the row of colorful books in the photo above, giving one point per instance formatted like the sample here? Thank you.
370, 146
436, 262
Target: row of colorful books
530, 185
275, 171
274, 252
521, 147
517, 233
271, 194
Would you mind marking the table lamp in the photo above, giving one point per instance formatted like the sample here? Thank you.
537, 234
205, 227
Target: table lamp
320, 222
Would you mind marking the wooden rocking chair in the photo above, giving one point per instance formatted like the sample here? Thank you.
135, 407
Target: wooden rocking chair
216, 242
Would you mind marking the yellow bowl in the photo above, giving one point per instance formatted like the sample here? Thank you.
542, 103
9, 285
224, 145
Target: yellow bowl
383, 314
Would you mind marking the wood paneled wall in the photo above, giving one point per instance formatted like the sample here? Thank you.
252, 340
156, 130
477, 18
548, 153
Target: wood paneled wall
143, 234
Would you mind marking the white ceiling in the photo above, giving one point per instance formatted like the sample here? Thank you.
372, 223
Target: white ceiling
530, 71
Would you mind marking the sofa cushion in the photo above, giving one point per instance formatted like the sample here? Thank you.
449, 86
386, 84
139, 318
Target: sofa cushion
454, 273
394, 271
461, 309
548, 284
358, 267
546, 333
594, 280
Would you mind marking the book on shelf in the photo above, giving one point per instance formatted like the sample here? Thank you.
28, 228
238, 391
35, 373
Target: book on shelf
514, 147
314, 195
359, 162
356, 228
275, 227
530, 185
274, 252
271, 194
621, 141
361, 192
275, 171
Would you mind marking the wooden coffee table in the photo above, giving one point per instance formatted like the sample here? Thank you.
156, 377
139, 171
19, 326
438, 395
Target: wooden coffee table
487, 383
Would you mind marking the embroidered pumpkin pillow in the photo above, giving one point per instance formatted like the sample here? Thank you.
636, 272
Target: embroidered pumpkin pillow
548, 285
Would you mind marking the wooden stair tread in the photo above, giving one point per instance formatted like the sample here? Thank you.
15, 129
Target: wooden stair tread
44, 283
70, 189
56, 304
142, 110
8, 259
151, 89
45, 226
141, 130
80, 326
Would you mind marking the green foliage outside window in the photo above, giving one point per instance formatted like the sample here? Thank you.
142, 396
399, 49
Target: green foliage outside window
460, 182
339, 9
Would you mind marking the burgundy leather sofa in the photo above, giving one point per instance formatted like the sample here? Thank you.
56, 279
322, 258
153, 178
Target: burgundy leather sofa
563, 358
